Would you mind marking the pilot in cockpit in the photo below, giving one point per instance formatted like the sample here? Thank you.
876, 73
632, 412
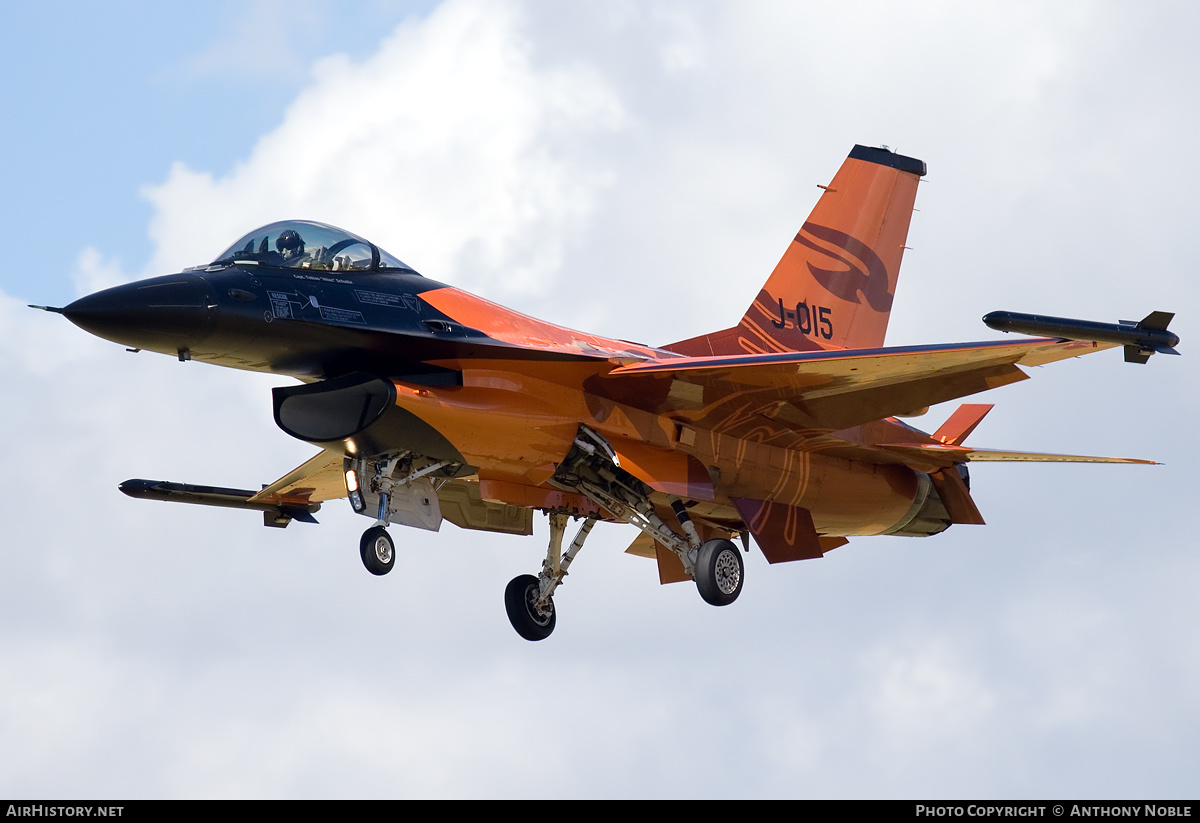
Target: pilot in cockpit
291, 246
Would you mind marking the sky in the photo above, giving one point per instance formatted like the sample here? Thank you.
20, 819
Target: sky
633, 170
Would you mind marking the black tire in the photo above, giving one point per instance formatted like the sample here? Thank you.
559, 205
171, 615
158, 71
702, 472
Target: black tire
519, 597
719, 572
377, 550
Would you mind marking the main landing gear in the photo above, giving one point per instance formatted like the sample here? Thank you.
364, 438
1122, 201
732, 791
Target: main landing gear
533, 622
529, 600
593, 470
399, 487
719, 572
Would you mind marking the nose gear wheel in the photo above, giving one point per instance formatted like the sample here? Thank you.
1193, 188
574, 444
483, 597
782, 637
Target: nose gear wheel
377, 550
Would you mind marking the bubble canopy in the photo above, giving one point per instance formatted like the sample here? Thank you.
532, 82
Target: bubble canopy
304, 244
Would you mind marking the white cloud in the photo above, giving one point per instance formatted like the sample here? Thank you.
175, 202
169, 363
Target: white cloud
927, 694
94, 271
383, 147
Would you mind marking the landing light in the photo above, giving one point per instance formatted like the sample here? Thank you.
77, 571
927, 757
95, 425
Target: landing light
356, 499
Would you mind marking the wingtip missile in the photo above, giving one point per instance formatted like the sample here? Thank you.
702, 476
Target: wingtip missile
1141, 339
274, 514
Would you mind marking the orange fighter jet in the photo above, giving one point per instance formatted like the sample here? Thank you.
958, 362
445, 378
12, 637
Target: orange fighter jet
431, 404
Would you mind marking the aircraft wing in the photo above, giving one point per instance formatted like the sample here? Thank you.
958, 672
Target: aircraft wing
295, 496
839, 389
315, 481
322, 478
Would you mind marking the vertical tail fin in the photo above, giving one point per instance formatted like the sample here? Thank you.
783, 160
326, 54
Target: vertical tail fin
833, 288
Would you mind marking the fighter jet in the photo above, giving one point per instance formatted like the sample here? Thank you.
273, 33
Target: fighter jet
430, 404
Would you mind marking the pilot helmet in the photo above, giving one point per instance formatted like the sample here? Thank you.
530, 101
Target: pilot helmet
289, 243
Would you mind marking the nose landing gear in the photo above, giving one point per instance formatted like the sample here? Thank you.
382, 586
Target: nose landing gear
400, 492
377, 550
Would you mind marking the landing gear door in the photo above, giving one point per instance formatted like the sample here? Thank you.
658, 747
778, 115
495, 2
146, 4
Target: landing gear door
415, 504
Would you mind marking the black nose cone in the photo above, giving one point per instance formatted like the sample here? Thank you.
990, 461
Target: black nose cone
165, 314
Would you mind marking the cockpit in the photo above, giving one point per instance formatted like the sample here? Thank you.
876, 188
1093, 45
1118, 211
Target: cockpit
303, 244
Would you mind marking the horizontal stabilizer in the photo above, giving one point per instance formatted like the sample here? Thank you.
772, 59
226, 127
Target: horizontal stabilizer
935, 452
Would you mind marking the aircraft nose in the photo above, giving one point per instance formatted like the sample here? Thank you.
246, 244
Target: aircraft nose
166, 314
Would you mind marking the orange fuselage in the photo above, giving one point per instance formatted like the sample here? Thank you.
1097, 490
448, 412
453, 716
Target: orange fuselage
515, 427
